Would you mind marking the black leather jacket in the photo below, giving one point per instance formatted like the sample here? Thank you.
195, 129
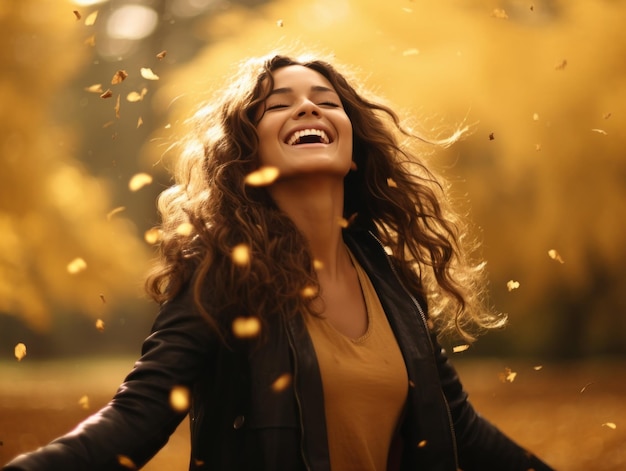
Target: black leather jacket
239, 422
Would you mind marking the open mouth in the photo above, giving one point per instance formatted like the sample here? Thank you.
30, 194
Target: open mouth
308, 136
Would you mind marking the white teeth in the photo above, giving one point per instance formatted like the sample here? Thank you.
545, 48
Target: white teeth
296, 136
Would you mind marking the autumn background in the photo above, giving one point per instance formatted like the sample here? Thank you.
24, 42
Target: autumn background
84, 151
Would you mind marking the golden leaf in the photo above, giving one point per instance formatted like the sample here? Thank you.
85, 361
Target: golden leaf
184, 229
100, 325
343, 222
152, 236
161, 54
20, 351
246, 327
117, 107
91, 18
308, 291
554, 255
610, 425
77, 15
240, 254
139, 122
107, 94
460, 348
125, 461
95, 88
280, 23
422, 444
410, 52
537, 367
391, 183
262, 177
561, 65
500, 14
282, 382
115, 211
90, 41
119, 77
535, 116
600, 131
179, 398
83, 402
318, 264
507, 376
147, 73
76, 266
102, 298
511, 285
136, 96
139, 180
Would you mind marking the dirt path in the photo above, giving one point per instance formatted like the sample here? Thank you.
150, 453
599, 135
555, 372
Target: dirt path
564, 413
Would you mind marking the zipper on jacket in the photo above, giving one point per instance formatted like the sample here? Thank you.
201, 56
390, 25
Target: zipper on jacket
298, 402
432, 347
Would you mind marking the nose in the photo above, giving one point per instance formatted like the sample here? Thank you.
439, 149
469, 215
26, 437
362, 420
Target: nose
307, 108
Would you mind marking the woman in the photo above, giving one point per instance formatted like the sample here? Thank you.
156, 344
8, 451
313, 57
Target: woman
303, 344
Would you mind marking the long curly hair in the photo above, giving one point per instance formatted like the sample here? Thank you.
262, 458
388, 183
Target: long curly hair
210, 212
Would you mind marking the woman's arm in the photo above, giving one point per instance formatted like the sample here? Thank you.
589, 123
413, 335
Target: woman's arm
481, 446
139, 419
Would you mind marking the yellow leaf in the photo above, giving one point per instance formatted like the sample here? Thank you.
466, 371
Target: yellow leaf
282, 382
100, 325
147, 73
83, 402
460, 348
119, 77
76, 266
554, 255
610, 425
152, 236
115, 211
511, 285
126, 462
91, 18
246, 327
184, 229
20, 351
240, 254
95, 88
161, 55
139, 180
262, 177
179, 398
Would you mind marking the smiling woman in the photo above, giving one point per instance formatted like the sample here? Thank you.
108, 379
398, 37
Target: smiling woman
299, 315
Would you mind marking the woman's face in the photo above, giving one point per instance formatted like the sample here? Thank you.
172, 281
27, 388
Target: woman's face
302, 126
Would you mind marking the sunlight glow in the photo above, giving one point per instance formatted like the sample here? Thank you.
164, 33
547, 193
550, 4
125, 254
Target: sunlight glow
132, 22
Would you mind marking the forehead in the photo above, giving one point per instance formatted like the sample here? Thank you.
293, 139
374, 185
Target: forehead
295, 76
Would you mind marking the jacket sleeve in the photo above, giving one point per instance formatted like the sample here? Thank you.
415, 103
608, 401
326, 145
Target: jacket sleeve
481, 446
138, 421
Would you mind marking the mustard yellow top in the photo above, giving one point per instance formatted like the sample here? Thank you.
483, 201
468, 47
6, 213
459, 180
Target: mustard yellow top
365, 386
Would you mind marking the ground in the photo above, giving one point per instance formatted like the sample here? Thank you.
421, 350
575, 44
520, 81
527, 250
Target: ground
572, 415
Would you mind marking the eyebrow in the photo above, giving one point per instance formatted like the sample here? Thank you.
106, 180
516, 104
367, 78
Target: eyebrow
314, 88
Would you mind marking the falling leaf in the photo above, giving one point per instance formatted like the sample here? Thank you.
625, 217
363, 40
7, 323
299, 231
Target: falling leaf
308, 292
391, 183
161, 54
83, 402
600, 131
246, 327
507, 376
318, 264
139, 122
107, 94
90, 41
152, 236
95, 88
282, 382
91, 18
511, 285
136, 96
240, 254
532, 7
410, 52
108, 124
126, 462
500, 14
606, 115
77, 15
610, 425
20, 351
102, 298
535, 116
147, 73
561, 65
422, 444
537, 147
115, 211
554, 255
139, 180
460, 348
584, 388
179, 398
76, 266
537, 367
119, 77
184, 229
491, 136
117, 107
343, 222
280, 23
262, 177
100, 325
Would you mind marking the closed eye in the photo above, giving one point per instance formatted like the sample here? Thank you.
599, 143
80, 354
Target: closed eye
329, 103
275, 107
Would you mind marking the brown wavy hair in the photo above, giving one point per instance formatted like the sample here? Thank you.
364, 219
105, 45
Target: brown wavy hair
393, 194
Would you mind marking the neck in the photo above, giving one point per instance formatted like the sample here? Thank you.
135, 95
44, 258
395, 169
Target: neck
316, 208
